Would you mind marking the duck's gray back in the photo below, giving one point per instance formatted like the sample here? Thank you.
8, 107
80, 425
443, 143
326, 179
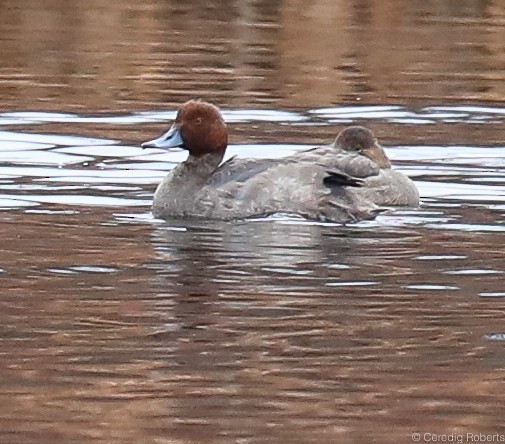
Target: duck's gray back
283, 187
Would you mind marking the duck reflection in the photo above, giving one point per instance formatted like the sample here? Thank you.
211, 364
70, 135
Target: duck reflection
255, 329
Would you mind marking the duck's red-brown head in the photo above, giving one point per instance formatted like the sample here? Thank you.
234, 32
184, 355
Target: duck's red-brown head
199, 128
363, 141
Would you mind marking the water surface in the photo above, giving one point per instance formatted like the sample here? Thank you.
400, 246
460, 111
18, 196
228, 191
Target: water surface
116, 327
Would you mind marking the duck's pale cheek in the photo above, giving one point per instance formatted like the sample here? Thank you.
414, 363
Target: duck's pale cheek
379, 156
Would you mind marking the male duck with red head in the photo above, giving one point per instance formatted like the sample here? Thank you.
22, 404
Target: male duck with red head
312, 184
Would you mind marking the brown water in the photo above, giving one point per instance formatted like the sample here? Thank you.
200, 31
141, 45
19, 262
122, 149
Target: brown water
115, 327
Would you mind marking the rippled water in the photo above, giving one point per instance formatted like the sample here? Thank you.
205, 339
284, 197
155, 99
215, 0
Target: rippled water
116, 327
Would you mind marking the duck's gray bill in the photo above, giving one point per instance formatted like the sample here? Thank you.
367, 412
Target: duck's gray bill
171, 139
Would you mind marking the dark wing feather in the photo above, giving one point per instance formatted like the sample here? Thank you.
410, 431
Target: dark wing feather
339, 178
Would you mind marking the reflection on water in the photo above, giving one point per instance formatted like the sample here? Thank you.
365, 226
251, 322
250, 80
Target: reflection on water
116, 327
64, 54
248, 330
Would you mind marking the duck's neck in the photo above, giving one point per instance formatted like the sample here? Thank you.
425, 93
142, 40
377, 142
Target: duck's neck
203, 165
195, 171
177, 193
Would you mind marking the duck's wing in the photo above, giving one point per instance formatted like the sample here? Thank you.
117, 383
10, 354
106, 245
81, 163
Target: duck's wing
239, 170
251, 187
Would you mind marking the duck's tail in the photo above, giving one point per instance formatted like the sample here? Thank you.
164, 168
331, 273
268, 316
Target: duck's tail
344, 204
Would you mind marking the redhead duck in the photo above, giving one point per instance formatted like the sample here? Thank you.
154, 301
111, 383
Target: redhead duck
307, 184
